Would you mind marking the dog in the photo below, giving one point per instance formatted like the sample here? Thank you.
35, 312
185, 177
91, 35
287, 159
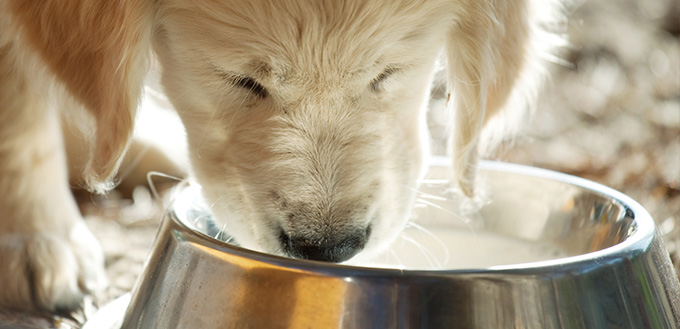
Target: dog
305, 119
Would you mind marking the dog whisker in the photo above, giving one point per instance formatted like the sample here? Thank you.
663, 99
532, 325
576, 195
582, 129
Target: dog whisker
221, 233
134, 163
422, 201
431, 196
217, 201
429, 256
427, 195
455, 215
198, 219
396, 258
149, 179
230, 239
434, 182
447, 254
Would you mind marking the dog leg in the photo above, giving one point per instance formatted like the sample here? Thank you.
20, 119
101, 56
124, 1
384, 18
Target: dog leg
48, 258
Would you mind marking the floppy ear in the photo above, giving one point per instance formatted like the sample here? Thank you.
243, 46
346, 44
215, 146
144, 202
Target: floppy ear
491, 55
99, 50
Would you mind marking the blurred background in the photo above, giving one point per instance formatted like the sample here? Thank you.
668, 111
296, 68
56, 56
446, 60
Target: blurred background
611, 112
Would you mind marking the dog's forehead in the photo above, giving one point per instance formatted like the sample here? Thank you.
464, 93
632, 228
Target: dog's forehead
306, 34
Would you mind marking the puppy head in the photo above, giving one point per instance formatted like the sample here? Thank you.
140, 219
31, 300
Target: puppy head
304, 118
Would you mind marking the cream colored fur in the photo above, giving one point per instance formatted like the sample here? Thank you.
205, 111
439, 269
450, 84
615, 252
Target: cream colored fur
330, 142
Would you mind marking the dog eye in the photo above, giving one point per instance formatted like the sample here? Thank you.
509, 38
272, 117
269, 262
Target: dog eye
377, 82
251, 85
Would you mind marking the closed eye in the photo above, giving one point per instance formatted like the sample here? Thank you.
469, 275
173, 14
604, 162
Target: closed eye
376, 83
243, 81
250, 84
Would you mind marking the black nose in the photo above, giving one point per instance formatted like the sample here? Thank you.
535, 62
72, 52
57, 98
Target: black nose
325, 249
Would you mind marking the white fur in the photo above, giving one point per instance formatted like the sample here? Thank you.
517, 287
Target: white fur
325, 152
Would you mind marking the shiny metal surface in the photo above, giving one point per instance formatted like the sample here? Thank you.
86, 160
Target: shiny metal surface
611, 270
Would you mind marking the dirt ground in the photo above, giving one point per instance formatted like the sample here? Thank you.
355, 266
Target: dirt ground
611, 113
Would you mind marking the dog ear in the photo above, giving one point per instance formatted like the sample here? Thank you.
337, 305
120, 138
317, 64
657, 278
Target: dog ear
99, 50
491, 53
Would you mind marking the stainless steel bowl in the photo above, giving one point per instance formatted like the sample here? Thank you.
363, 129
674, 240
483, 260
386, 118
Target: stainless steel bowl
546, 250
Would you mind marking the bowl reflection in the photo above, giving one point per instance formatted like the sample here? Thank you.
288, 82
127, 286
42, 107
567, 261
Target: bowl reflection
544, 250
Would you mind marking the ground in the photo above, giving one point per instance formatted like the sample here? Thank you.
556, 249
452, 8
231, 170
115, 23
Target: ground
611, 113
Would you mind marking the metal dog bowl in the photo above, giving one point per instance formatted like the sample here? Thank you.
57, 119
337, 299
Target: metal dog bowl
547, 250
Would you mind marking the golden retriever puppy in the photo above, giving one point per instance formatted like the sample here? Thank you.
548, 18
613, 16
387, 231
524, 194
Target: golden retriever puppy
304, 118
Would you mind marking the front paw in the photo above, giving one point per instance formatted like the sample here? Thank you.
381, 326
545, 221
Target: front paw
49, 271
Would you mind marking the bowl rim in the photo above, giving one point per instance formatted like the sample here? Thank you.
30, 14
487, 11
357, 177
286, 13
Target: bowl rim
638, 242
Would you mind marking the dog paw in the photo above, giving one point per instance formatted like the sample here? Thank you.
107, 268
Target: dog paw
50, 271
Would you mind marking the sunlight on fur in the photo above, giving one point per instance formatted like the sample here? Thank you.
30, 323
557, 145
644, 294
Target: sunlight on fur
305, 120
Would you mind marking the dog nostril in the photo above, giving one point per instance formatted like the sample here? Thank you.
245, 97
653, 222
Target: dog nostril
284, 239
325, 249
